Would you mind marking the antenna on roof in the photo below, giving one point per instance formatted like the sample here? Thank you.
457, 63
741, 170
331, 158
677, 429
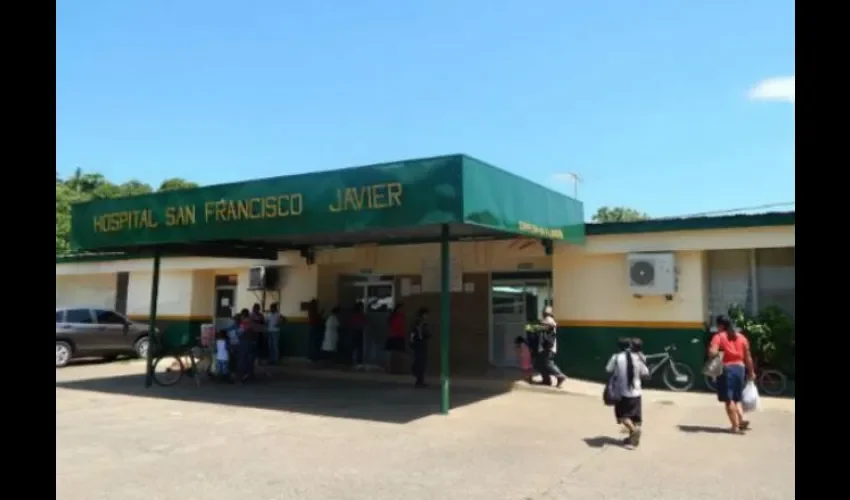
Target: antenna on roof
571, 177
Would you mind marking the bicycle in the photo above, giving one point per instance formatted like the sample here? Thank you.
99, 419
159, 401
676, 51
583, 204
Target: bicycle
677, 376
769, 381
190, 361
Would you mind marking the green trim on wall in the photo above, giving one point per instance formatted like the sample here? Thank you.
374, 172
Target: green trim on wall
179, 331
583, 351
693, 224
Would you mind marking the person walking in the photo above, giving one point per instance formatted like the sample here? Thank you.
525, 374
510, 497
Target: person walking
627, 368
357, 329
419, 336
247, 348
734, 347
548, 349
274, 321
330, 341
395, 344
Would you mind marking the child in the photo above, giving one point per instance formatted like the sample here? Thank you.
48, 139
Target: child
524, 357
222, 355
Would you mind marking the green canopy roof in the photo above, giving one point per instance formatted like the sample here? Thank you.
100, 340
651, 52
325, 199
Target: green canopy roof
371, 204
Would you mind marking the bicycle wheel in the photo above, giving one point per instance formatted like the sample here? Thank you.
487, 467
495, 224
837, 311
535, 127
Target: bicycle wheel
772, 382
711, 383
167, 370
678, 377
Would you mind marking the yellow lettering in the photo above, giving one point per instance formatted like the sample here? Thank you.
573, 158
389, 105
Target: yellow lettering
545, 232
124, 221
296, 204
351, 201
372, 197
379, 194
221, 211
283, 205
394, 192
339, 205
209, 210
270, 206
183, 215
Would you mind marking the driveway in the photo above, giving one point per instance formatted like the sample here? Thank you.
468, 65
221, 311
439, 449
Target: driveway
297, 437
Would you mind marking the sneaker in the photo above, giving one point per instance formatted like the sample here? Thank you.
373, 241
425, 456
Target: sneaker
560, 382
634, 437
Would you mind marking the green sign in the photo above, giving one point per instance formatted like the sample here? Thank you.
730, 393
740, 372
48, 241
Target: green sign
450, 189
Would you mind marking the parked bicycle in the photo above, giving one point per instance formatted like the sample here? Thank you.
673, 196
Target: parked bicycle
769, 382
168, 368
676, 376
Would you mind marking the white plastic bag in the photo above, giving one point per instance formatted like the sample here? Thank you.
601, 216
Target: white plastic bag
750, 397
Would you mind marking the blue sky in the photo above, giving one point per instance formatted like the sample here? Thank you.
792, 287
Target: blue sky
668, 106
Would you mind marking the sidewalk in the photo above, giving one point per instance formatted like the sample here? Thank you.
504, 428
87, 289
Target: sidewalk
570, 386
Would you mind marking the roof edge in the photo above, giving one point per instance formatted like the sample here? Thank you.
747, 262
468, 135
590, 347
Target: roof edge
692, 223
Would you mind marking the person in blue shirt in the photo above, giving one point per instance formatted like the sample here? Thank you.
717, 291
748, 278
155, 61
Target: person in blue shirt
233, 331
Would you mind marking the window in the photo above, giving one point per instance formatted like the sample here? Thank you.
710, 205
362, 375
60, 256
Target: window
109, 317
775, 278
729, 280
78, 316
60, 316
754, 279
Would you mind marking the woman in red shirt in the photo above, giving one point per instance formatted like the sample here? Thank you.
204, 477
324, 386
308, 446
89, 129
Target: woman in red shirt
737, 369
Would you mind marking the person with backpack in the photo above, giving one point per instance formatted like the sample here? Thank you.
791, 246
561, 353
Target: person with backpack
624, 389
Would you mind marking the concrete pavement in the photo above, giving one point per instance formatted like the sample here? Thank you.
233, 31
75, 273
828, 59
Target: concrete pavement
298, 437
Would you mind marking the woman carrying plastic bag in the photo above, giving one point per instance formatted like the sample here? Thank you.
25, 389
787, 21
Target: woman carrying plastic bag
734, 348
750, 397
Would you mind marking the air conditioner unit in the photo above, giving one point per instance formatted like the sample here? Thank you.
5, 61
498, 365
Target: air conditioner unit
263, 278
652, 273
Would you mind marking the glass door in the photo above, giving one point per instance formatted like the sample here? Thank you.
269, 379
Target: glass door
378, 299
514, 303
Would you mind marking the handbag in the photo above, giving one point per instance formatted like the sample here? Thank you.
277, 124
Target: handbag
714, 366
611, 394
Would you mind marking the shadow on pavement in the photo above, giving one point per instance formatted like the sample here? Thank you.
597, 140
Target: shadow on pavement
704, 429
602, 441
355, 399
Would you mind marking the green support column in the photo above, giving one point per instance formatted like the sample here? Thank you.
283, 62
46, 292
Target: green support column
445, 318
153, 339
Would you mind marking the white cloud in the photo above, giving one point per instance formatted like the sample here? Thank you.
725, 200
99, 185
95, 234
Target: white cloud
780, 88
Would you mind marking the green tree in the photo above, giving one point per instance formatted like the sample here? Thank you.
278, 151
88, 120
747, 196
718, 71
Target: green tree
618, 214
176, 183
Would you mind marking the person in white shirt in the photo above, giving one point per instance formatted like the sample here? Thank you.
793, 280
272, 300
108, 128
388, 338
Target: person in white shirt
627, 368
331, 338
273, 323
222, 356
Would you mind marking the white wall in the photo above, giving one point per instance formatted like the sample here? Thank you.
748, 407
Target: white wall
175, 294
95, 290
716, 239
592, 288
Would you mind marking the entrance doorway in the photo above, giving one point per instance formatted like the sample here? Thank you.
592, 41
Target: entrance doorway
377, 294
225, 300
515, 300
